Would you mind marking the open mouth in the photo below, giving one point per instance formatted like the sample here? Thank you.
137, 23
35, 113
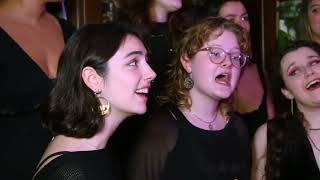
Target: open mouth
143, 91
312, 85
223, 78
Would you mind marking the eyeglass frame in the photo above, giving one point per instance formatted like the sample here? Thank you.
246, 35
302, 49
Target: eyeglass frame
209, 50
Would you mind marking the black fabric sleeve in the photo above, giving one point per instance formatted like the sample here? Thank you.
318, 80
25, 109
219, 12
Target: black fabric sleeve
156, 141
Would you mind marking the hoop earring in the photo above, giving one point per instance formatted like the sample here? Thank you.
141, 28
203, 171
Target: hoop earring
188, 83
292, 108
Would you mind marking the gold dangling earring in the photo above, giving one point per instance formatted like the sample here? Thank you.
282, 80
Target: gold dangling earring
292, 110
104, 109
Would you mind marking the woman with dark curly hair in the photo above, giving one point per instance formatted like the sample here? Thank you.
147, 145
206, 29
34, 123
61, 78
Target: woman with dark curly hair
103, 77
195, 135
288, 147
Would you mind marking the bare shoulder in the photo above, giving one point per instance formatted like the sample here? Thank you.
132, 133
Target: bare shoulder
260, 138
259, 148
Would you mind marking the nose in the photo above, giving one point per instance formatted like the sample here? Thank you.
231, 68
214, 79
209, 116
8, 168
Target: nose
308, 71
149, 74
227, 61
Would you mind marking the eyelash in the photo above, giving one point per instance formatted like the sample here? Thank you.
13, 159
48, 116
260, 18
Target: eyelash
134, 62
295, 71
315, 10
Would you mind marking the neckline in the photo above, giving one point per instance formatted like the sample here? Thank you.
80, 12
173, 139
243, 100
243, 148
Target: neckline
188, 124
28, 58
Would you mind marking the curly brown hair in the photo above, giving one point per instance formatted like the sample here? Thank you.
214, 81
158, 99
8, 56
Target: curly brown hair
192, 40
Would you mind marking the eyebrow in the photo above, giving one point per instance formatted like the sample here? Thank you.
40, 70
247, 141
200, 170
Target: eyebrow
308, 57
314, 5
235, 15
134, 53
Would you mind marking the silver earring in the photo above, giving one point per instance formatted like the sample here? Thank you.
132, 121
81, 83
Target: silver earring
292, 110
188, 82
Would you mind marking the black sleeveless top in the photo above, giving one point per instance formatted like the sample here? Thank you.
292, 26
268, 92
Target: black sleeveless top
297, 161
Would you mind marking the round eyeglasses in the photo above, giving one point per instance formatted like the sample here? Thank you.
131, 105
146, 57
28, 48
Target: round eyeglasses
218, 55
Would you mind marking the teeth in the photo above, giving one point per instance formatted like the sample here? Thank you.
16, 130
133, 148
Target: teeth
144, 90
312, 83
225, 74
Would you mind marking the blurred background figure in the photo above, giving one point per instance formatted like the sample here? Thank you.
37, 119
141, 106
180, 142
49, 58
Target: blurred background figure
308, 26
31, 41
288, 146
152, 16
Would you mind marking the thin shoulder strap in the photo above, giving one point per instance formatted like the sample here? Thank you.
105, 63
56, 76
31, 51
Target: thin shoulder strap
48, 157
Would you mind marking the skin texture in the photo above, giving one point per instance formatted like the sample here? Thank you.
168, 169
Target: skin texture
160, 9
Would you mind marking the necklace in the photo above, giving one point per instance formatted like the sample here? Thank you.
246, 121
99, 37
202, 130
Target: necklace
210, 123
315, 146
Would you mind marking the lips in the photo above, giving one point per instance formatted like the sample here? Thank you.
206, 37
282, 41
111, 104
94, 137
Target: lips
313, 84
223, 78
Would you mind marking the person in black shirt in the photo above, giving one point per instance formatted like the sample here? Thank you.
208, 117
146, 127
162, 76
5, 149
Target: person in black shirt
103, 78
195, 135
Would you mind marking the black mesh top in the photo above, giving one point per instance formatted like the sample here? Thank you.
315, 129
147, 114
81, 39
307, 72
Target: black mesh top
172, 148
81, 165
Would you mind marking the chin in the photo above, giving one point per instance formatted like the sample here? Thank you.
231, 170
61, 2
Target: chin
223, 95
140, 110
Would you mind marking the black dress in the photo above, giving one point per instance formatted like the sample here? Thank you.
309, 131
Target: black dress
171, 148
81, 165
24, 86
